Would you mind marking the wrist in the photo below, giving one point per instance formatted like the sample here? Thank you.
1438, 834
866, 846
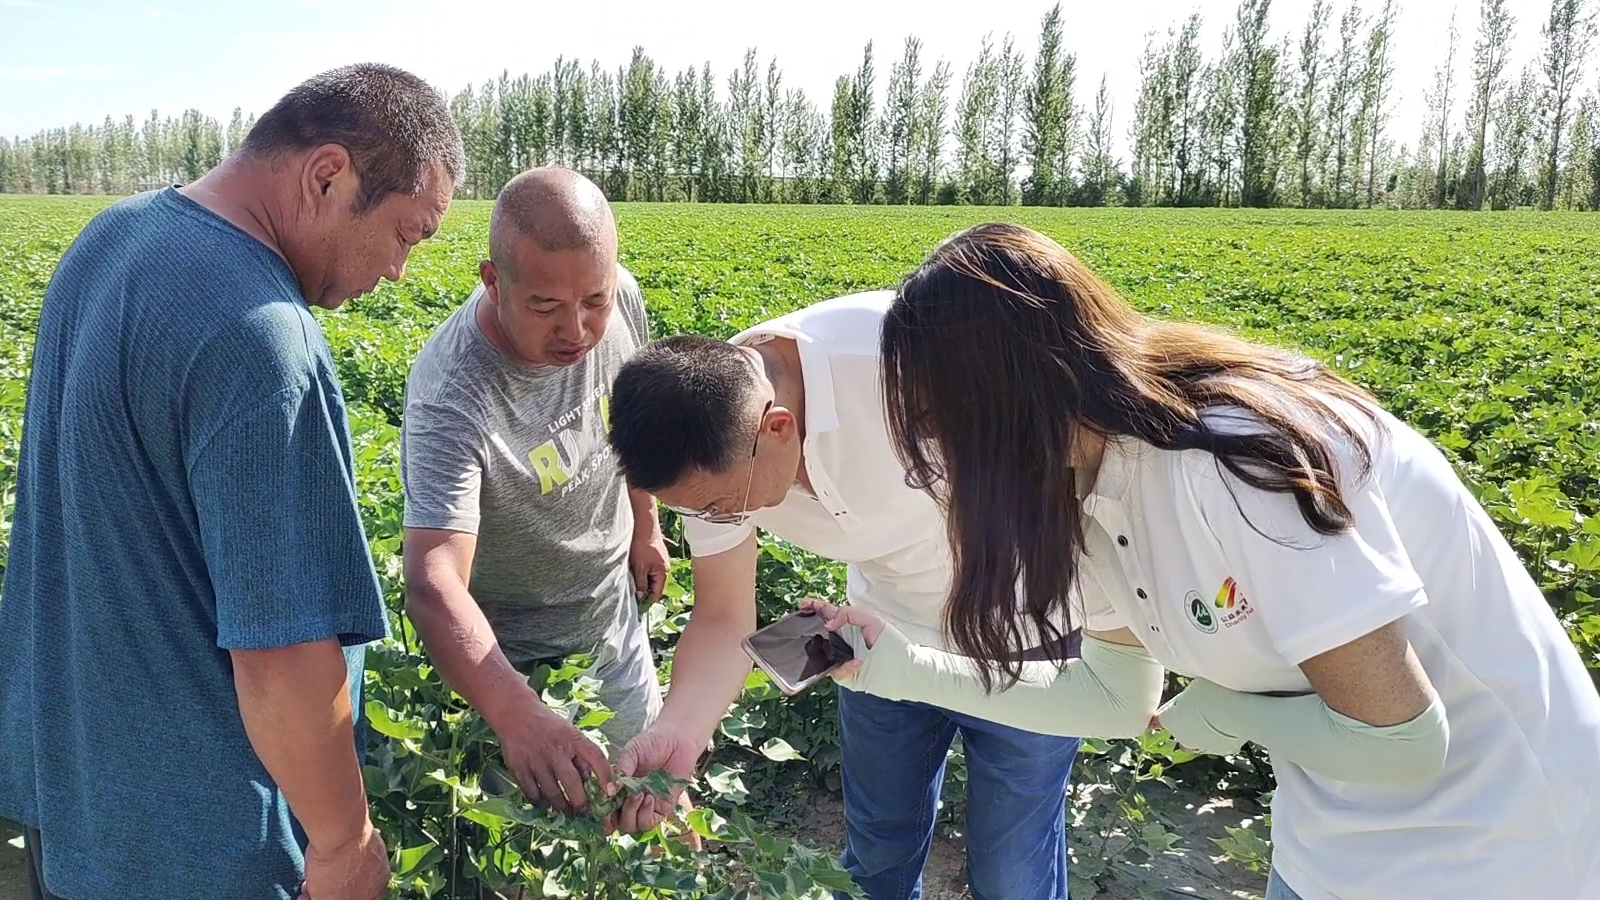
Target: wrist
347, 826
513, 706
687, 724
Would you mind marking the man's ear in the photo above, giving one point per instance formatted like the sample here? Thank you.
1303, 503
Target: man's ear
328, 179
491, 280
781, 423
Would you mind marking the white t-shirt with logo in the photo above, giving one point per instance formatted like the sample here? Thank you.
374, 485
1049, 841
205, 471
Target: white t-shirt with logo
890, 535
1516, 813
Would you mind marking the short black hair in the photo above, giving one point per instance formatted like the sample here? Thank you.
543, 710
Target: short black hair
395, 126
682, 403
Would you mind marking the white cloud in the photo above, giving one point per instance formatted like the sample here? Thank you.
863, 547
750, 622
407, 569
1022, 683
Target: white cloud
161, 13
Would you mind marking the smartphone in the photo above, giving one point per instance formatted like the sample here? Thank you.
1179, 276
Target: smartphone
797, 651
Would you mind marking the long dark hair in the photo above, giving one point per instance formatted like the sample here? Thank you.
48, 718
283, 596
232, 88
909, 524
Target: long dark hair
1001, 346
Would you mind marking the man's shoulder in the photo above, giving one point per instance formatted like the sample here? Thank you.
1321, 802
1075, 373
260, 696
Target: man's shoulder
175, 244
846, 325
269, 340
630, 301
449, 359
627, 282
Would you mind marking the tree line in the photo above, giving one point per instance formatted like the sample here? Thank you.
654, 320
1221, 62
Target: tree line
1303, 121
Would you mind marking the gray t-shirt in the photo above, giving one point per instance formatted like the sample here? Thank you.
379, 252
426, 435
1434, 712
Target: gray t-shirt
517, 455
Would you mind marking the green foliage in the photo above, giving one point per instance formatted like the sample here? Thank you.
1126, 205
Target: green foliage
456, 822
1246, 847
1480, 332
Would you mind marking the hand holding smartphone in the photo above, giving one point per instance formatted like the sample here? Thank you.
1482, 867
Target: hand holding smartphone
797, 651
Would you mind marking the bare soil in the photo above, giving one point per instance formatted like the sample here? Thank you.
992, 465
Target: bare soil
1195, 869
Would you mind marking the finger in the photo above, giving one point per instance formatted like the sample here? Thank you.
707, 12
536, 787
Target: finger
528, 781
847, 670
592, 758
658, 582
645, 818
820, 606
628, 760
642, 812
566, 773
550, 789
824, 610
628, 814
655, 813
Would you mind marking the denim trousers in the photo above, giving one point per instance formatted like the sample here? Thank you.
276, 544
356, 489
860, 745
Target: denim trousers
1277, 890
893, 760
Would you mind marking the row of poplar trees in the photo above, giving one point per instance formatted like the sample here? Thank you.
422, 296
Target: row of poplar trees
1301, 121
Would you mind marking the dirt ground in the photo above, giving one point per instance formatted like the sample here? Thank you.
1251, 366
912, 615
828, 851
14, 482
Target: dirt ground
818, 819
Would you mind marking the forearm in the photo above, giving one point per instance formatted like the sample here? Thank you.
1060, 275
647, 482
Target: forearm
295, 703
463, 647
646, 519
1306, 732
709, 669
1111, 692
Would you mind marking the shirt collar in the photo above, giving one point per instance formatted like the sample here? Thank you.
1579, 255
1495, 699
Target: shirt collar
1116, 472
816, 375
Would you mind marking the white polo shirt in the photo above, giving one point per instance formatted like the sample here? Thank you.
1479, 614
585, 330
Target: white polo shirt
1516, 813
891, 535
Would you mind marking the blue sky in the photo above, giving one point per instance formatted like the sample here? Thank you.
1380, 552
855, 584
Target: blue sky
63, 61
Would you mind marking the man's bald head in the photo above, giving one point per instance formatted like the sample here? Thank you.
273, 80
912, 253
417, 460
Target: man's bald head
552, 273
557, 209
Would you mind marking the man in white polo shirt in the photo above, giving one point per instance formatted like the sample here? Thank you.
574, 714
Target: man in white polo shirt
782, 428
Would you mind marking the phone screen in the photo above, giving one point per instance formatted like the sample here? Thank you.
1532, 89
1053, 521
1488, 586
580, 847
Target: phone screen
797, 648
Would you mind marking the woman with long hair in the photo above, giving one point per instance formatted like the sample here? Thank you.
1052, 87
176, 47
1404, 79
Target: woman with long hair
1236, 513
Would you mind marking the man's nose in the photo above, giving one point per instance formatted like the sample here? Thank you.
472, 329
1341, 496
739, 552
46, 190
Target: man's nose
572, 322
397, 269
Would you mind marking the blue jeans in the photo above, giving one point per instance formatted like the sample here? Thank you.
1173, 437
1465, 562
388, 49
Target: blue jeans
1277, 890
893, 767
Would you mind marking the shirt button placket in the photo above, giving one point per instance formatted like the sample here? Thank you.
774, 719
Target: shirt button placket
1132, 567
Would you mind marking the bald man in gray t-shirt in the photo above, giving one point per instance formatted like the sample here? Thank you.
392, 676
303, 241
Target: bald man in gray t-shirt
523, 544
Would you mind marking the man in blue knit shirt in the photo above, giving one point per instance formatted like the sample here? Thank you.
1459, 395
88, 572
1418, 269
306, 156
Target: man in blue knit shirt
189, 587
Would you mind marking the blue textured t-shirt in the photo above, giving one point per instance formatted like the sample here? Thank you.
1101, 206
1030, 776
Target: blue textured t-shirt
185, 488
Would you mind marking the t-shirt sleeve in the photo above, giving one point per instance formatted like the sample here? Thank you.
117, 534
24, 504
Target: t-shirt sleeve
441, 468
1313, 592
631, 298
280, 526
710, 538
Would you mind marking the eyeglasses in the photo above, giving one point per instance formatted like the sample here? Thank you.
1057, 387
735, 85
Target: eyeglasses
738, 517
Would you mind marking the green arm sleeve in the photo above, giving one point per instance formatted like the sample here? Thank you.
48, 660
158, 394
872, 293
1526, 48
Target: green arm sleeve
1111, 692
1303, 730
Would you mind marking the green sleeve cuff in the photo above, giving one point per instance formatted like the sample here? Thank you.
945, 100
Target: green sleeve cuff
1305, 731
1111, 692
